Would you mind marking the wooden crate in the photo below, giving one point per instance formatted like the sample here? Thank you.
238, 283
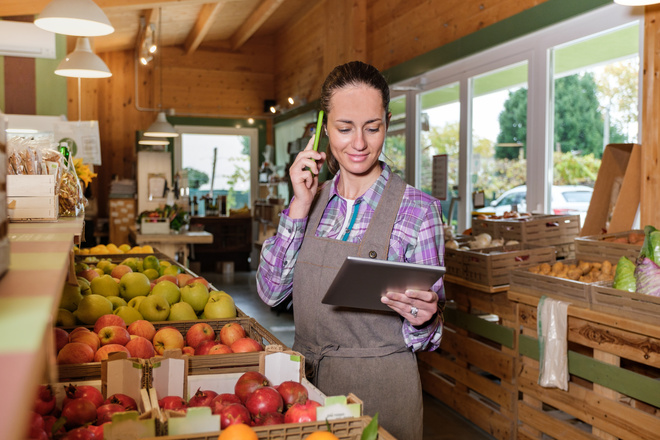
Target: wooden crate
598, 246
631, 305
491, 266
614, 366
474, 369
538, 285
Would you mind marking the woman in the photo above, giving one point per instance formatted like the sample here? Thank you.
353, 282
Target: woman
366, 211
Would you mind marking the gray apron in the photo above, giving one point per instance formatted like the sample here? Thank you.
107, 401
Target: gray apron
352, 350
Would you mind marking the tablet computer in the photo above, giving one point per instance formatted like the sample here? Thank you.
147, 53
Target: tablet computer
361, 282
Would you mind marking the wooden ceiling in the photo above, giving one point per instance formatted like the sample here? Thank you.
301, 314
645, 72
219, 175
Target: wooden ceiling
185, 23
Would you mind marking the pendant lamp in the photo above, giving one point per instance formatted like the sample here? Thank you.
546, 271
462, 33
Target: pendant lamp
161, 128
636, 2
74, 17
83, 63
146, 140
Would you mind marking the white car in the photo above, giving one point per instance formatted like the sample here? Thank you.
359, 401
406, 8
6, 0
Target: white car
566, 200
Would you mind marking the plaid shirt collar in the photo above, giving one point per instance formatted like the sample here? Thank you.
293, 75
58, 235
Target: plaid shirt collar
372, 195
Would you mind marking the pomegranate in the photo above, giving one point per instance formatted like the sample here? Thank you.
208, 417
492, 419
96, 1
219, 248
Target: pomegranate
78, 412
172, 402
292, 392
97, 431
36, 427
263, 401
248, 383
84, 392
50, 423
222, 400
202, 398
80, 434
127, 402
45, 401
233, 414
269, 419
104, 412
302, 412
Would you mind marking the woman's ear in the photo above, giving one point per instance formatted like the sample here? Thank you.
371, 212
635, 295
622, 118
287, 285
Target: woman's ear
389, 116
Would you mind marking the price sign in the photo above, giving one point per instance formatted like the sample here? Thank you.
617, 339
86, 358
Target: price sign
440, 171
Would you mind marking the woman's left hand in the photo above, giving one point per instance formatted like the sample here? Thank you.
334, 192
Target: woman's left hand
417, 306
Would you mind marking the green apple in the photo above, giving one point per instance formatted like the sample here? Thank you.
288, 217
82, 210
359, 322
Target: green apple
128, 314
85, 288
92, 307
167, 289
65, 318
220, 307
152, 274
71, 297
80, 267
196, 295
131, 262
135, 302
154, 308
216, 294
171, 270
150, 262
140, 266
182, 311
104, 285
104, 266
134, 284
117, 302
109, 268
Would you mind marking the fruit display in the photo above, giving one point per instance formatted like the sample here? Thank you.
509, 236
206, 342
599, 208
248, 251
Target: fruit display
141, 339
505, 215
643, 274
139, 288
583, 271
111, 248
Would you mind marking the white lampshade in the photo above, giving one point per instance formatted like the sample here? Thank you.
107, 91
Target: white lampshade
81, 18
83, 63
161, 128
146, 140
636, 2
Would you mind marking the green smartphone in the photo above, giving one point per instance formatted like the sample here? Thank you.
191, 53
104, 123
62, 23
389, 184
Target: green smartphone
317, 135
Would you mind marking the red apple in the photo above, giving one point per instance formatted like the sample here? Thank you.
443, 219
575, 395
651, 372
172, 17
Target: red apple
61, 338
75, 353
114, 334
199, 332
89, 338
103, 352
143, 328
120, 270
140, 347
108, 320
204, 347
183, 278
171, 278
246, 345
220, 349
222, 400
188, 350
198, 280
89, 274
167, 338
231, 332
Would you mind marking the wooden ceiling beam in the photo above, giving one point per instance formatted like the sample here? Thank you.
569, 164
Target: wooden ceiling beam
205, 20
254, 22
10, 8
149, 16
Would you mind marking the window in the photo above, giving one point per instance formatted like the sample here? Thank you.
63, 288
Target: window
394, 151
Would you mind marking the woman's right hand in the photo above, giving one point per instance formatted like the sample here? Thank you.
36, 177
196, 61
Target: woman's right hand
304, 175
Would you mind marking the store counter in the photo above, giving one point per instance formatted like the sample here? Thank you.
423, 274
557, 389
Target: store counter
172, 245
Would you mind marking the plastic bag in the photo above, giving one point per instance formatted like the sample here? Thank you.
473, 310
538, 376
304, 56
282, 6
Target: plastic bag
71, 198
552, 319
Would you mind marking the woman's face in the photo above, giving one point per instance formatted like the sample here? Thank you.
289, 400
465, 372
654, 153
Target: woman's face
357, 125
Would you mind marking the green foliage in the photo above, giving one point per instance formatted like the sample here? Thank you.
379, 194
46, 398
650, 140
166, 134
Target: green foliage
513, 124
196, 178
575, 170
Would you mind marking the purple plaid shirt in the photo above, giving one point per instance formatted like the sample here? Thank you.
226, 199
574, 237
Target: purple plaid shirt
417, 237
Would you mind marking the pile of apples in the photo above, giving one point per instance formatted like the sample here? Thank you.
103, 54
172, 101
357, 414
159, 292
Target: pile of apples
111, 248
82, 416
139, 288
255, 402
142, 340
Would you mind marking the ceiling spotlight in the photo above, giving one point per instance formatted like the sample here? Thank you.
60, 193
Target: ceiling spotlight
291, 101
273, 109
250, 121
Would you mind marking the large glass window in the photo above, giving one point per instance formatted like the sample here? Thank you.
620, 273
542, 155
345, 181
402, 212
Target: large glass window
394, 151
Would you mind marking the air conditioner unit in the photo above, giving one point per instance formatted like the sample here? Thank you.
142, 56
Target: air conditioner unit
21, 39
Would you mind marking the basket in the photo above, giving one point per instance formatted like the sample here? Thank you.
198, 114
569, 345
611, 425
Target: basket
155, 226
538, 285
632, 305
542, 230
602, 246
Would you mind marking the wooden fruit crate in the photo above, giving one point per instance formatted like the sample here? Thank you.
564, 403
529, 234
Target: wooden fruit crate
631, 305
599, 246
196, 364
474, 369
491, 266
613, 391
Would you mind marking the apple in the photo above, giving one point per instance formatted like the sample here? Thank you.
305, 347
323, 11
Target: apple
91, 308
135, 302
89, 274
61, 338
150, 262
131, 262
142, 328
171, 278
188, 350
104, 285
182, 311
79, 329
204, 347
109, 319
246, 345
197, 295
231, 332
128, 314
103, 352
219, 348
134, 284
71, 297
89, 338
65, 318
199, 332
167, 289
114, 334
167, 338
154, 308
75, 353
183, 278
117, 301
120, 270
198, 280
152, 274
140, 347
219, 307
170, 270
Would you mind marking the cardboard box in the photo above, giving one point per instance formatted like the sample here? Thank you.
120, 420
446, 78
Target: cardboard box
21, 208
615, 200
31, 185
159, 226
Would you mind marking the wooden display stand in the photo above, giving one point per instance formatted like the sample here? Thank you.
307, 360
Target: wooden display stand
474, 370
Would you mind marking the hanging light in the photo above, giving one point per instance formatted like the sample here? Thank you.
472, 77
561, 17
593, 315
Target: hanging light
146, 140
161, 128
74, 17
83, 63
636, 2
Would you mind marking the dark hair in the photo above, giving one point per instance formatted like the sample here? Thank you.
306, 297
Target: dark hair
353, 73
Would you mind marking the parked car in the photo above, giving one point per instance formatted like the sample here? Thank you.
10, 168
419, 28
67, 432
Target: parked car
566, 200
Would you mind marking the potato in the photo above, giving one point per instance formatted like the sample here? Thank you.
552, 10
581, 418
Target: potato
574, 274
545, 269
607, 267
558, 267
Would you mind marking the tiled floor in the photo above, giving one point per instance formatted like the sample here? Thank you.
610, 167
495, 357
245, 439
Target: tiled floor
440, 421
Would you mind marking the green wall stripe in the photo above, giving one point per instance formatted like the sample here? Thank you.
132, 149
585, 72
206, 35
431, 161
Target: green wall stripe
472, 323
637, 386
51, 90
528, 21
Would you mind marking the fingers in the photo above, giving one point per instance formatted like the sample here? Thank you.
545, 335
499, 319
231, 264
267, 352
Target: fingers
417, 306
